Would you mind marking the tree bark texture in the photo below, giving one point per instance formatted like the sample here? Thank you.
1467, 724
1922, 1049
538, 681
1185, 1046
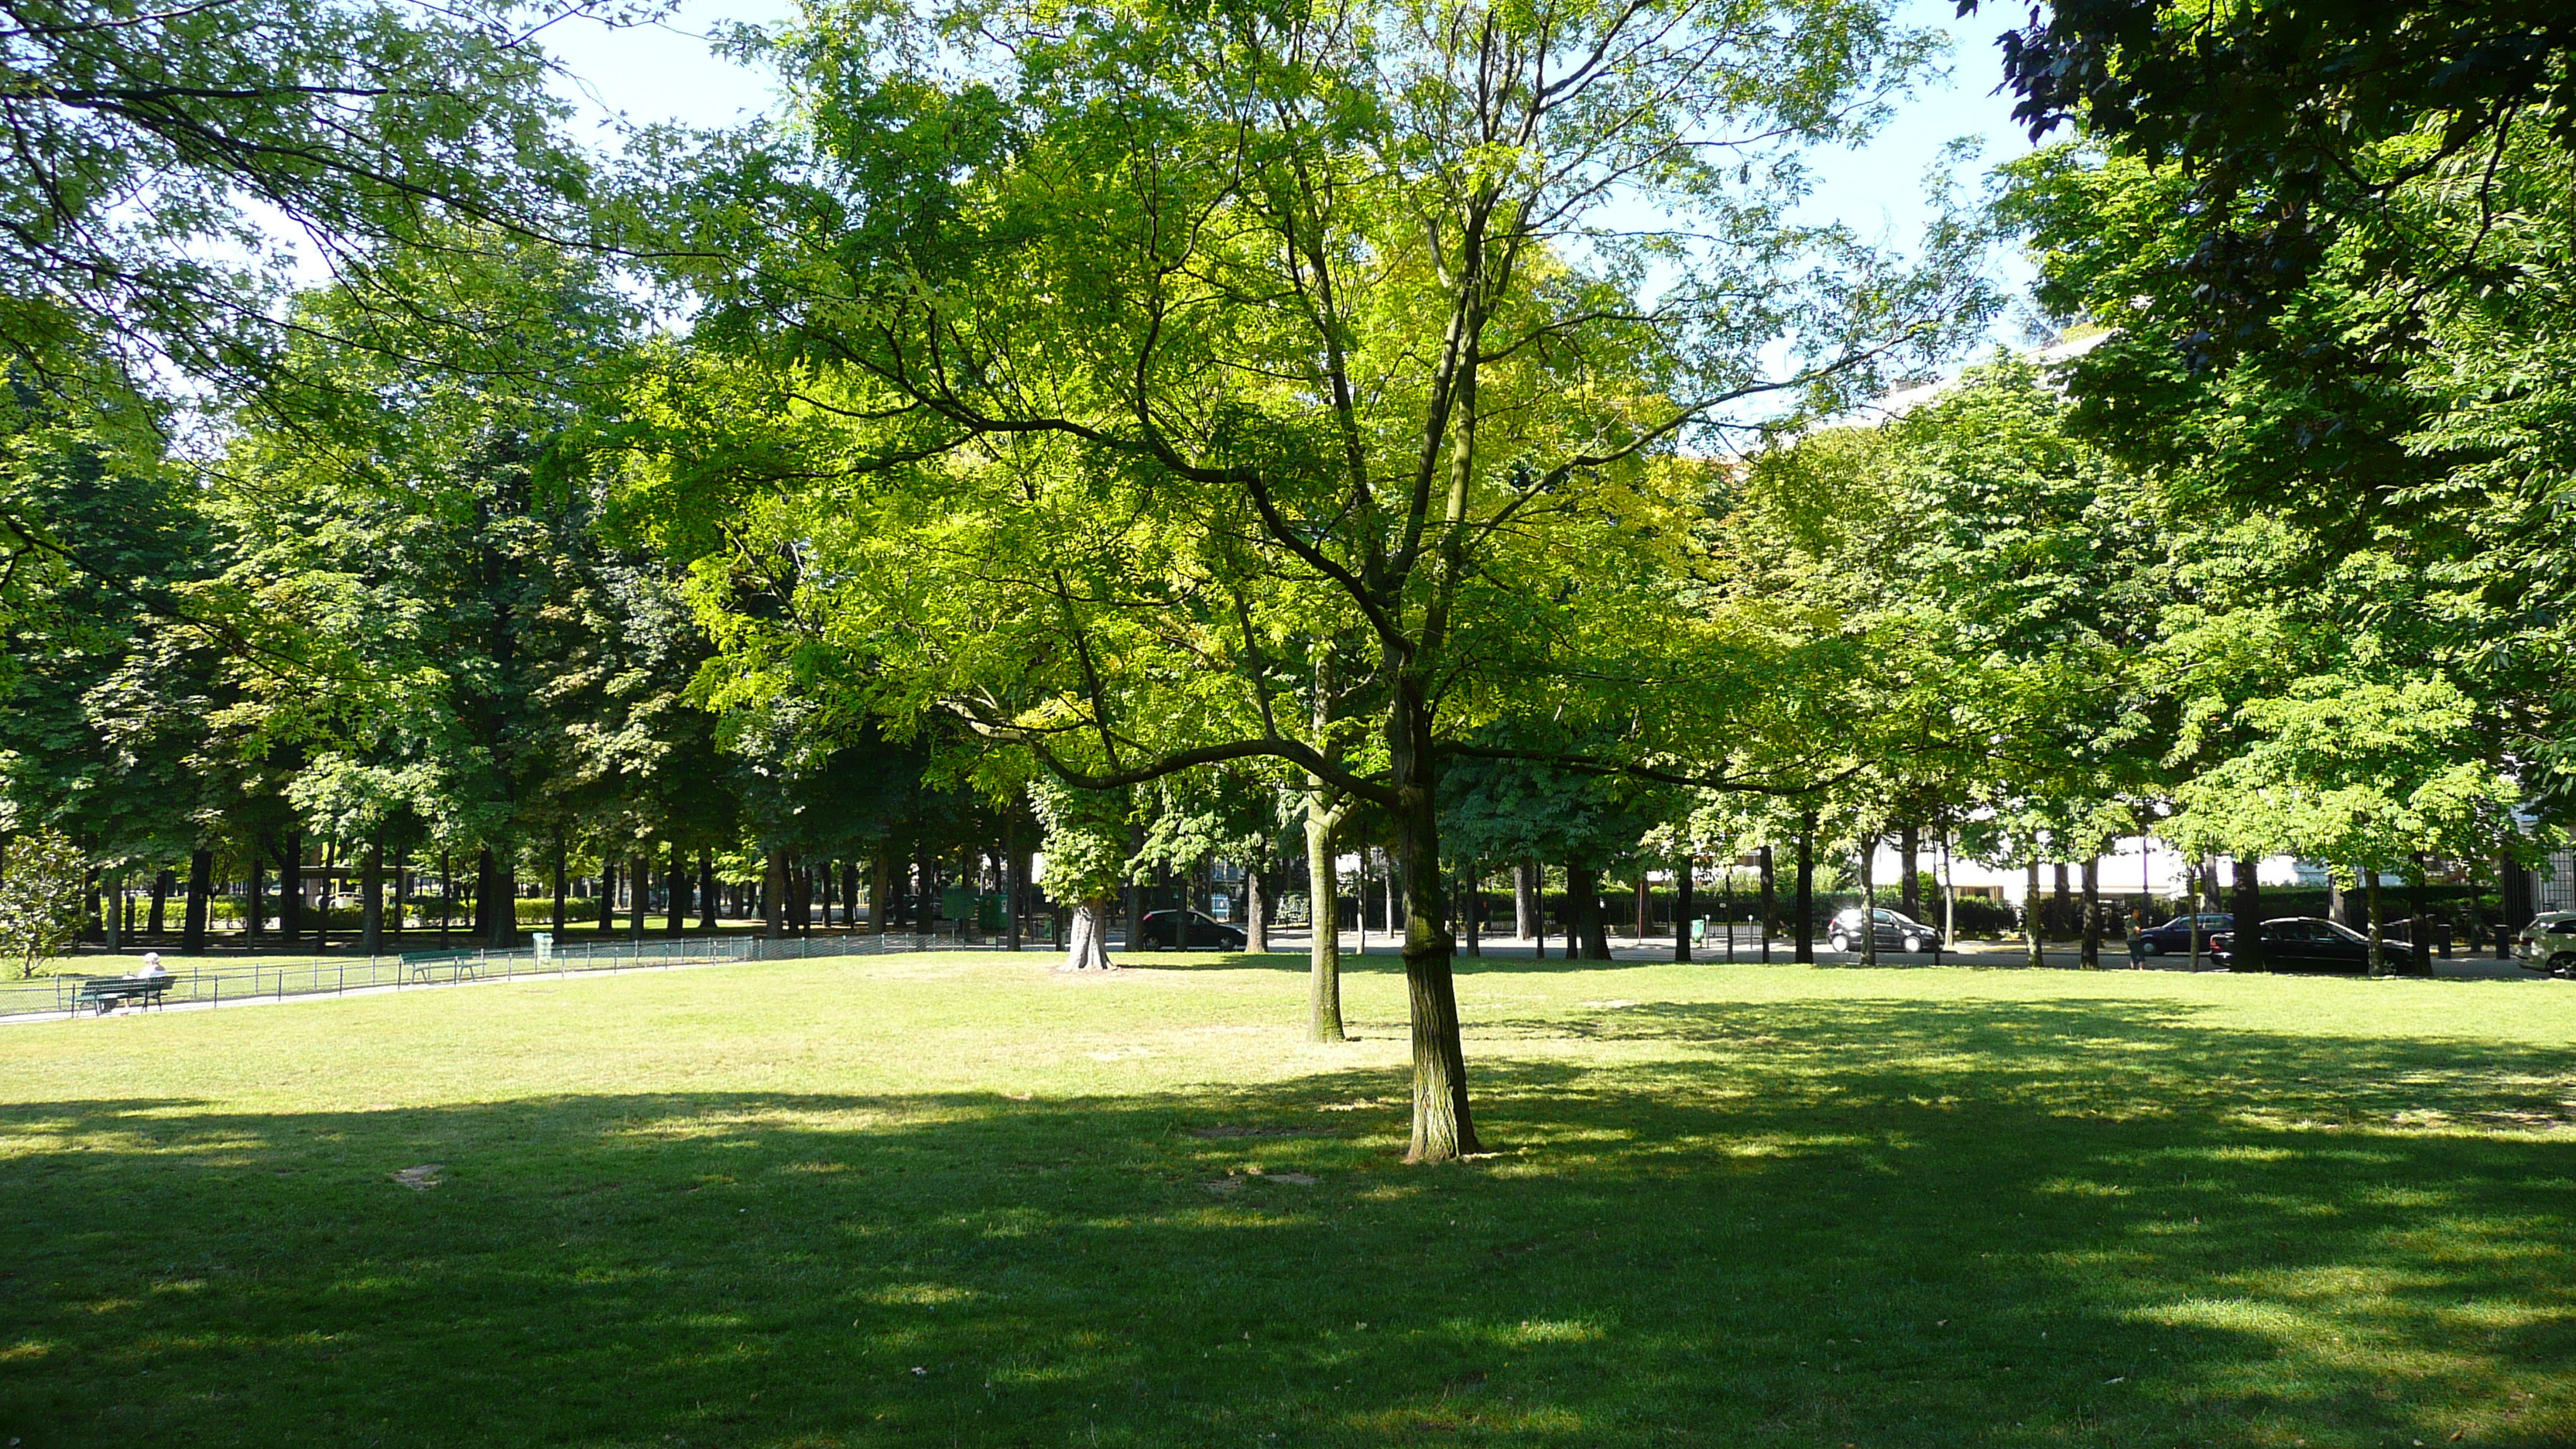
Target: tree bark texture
1682, 917
290, 887
1087, 943
1256, 901
1869, 900
1524, 901
2248, 909
1805, 892
639, 893
2030, 910
676, 917
1324, 949
1443, 1125
372, 891
201, 889
1909, 885
1770, 902
1471, 905
1583, 903
2092, 914
161, 883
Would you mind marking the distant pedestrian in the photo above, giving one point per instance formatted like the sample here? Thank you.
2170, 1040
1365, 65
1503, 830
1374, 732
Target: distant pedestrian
151, 968
2138, 942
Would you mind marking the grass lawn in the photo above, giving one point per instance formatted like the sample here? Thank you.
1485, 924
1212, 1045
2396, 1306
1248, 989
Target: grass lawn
965, 1200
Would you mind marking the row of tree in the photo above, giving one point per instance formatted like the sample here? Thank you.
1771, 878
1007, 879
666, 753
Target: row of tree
1155, 432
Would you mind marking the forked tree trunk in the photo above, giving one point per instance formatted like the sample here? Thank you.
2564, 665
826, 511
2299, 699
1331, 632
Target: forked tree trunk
1443, 1126
1087, 943
1324, 909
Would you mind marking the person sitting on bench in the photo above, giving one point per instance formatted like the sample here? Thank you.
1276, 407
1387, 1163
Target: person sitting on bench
151, 969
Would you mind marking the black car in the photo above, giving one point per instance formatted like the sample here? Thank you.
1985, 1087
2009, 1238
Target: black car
2174, 936
1896, 931
1163, 932
2305, 943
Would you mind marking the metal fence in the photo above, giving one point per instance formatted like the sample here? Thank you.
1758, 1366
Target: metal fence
256, 981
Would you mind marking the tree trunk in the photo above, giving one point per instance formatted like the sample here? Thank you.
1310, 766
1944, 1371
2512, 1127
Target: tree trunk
1909, 887
1806, 889
1524, 901
1471, 906
1682, 885
290, 888
2248, 909
881, 889
2092, 914
2378, 935
607, 893
447, 897
1443, 1126
1088, 941
2418, 932
1770, 902
371, 891
503, 880
1256, 901
255, 898
201, 889
1869, 901
161, 883
1583, 900
561, 904
773, 896
2030, 904
112, 913
675, 918
639, 893
1011, 882
1324, 907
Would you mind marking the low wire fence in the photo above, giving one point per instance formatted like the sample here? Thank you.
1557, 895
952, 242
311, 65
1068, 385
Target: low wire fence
327, 976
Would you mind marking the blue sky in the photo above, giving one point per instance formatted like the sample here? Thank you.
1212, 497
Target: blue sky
665, 73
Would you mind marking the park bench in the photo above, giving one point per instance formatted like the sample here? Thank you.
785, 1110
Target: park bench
108, 992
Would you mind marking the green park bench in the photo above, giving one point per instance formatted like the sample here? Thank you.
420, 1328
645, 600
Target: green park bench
108, 992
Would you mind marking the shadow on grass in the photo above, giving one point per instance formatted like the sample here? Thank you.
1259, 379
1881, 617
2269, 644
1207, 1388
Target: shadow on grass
1812, 1223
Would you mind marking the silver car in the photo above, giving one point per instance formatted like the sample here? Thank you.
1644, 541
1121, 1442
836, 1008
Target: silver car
2548, 944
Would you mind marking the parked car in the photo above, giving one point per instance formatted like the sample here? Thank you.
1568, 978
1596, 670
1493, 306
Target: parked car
2305, 943
1895, 931
2175, 935
2548, 944
1163, 931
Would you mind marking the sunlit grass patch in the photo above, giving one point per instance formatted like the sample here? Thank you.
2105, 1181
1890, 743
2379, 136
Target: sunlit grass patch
941, 1200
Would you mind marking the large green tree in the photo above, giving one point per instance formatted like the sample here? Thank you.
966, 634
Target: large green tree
1141, 347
